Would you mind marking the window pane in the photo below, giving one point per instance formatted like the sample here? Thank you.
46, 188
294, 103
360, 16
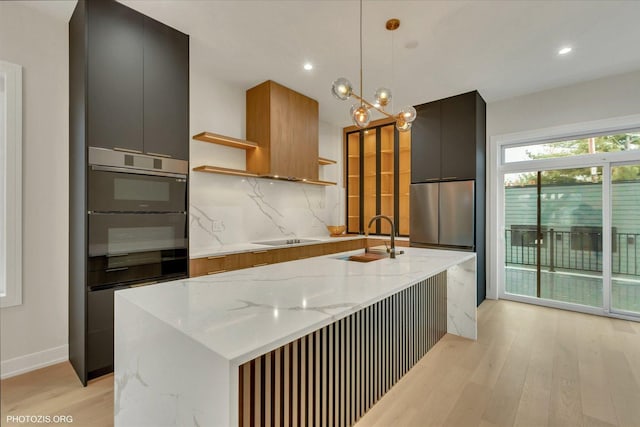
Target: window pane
573, 147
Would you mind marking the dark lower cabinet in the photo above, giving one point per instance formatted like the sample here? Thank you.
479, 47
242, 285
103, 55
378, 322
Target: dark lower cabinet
99, 332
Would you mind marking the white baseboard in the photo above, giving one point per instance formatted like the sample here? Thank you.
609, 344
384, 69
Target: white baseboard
33, 361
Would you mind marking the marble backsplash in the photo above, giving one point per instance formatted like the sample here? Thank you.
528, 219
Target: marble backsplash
227, 210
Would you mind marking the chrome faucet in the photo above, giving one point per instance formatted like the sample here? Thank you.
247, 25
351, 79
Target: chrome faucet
392, 251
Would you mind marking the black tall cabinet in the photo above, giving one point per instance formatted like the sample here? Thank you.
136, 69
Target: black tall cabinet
128, 91
448, 144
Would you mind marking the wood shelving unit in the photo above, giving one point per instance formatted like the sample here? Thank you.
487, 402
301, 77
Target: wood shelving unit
214, 138
374, 185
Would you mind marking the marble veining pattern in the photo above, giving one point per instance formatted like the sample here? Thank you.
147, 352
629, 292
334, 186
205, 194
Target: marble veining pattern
230, 210
210, 226
214, 310
257, 196
461, 300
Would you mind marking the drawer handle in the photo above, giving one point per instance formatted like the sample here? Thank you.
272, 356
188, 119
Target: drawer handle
216, 257
260, 265
450, 177
127, 150
158, 154
259, 252
111, 270
215, 272
137, 285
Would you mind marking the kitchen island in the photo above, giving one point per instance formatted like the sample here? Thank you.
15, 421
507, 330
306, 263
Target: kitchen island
298, 343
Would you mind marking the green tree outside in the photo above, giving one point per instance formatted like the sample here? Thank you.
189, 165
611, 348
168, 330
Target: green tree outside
598, 144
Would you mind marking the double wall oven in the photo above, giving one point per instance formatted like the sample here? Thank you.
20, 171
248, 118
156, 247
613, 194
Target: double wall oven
138, 223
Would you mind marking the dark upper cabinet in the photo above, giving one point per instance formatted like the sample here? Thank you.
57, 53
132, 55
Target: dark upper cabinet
448, 139
115, 76
425, 148
166, 91
138, 82
458, 137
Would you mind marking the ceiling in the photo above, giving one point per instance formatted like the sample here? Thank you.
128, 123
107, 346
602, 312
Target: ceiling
501, 48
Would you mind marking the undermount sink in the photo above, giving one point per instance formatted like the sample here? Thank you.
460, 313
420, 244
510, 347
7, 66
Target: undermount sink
363, 257
285, 242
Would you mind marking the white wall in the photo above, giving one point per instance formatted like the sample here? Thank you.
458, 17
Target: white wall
600, 99
228, 210
35, 333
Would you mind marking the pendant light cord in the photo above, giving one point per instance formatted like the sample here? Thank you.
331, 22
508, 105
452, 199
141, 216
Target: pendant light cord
361, 93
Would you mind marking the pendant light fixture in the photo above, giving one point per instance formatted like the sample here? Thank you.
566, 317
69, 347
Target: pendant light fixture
360, 111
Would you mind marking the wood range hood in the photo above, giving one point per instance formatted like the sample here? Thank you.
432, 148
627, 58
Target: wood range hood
284, 124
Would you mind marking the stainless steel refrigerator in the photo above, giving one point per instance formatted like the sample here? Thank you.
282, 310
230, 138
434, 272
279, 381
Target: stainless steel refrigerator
443, 214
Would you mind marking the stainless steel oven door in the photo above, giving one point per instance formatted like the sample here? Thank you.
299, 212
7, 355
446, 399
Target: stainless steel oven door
134, 247
113, 189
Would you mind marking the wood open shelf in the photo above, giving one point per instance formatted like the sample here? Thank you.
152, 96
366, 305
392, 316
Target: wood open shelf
224, 171
225, 140
323, 161
239, 172
318, 182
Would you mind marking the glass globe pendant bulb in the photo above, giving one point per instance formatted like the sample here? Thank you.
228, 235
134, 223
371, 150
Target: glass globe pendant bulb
360, 115
408, 114
403, 125
342, 89
383, 96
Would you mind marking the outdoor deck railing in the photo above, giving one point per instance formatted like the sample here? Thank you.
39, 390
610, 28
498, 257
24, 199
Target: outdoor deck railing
572, 250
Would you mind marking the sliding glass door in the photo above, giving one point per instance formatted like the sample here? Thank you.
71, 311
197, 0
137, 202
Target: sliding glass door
571, 218
553, 235
625, 254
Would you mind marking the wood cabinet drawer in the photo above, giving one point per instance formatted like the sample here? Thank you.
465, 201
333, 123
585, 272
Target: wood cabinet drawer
256, 258
208, 265
261, 257
249, 259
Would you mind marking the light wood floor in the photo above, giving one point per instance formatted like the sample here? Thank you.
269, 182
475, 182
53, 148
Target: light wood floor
531, 366
56, 390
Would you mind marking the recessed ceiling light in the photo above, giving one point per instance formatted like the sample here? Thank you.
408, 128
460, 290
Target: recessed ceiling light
308, 66
412, 44
564, 50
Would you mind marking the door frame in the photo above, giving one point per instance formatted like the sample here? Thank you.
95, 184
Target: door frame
495, 220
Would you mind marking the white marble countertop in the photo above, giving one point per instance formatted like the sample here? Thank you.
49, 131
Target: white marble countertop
248, 247
245, 313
